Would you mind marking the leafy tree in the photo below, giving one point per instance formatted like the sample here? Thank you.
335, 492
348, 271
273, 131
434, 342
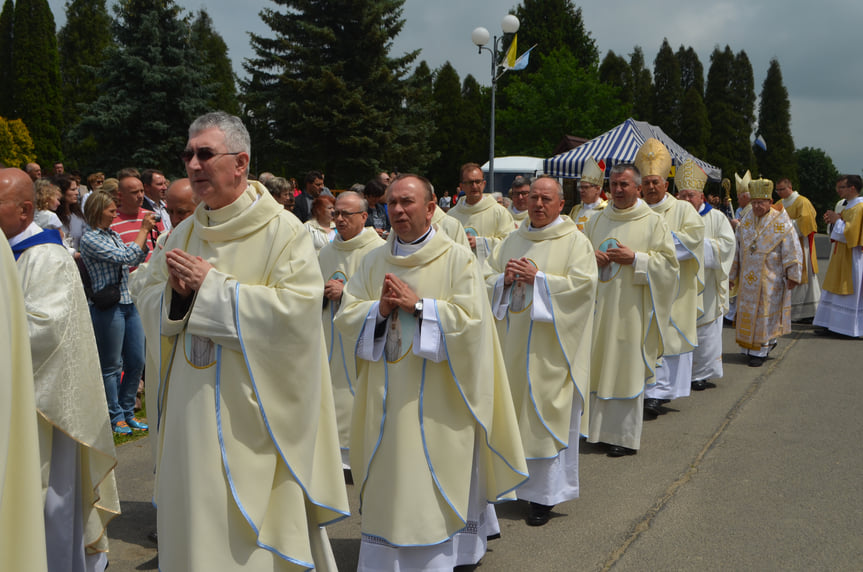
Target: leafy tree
7, 22
561, 98
743, 92
555, 24
615, 71
694, 124
83, 43
331, 89
667, 91
691, 70
36, 83
16, 146
774, 125
642, 87
817, 178
153, 86
214, 53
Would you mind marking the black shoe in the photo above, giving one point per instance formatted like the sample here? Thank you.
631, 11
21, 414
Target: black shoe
702, 384
154, 537
539, 514
491, 537
819, 331
756, 361
653, 406
619, 451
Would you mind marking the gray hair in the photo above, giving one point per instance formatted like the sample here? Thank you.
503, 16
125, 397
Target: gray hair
363, 200
623, 167
277, 185
556, 184
236, 135
520, 181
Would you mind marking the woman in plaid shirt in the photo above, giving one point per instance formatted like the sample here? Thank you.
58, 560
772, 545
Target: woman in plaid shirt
119, 334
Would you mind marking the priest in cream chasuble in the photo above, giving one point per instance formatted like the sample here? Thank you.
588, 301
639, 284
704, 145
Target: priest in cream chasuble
544, 290
434, 433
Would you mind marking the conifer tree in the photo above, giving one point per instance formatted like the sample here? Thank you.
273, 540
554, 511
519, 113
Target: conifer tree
83, 43
691, 70
774, 125
213, 52
667, 91
37, 99
448, 137
7, 21
331, 89
726, 123
642, 87
410, 151
817, 176
476, 101
694, 125
615, 71
743, 91
153, 86
555, 24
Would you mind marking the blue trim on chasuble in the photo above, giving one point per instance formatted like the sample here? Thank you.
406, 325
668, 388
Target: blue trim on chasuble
383, 417
533, 401
478, 422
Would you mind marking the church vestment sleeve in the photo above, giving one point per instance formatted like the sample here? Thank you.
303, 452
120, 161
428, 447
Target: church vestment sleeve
711, 258
500, 298
369, 346
212, 314
541, 309
428, 339
640, 267
680, 249
838, 233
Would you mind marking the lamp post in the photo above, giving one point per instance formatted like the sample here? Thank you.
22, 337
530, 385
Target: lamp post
480, 37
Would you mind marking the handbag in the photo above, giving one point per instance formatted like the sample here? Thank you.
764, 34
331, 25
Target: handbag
107, 297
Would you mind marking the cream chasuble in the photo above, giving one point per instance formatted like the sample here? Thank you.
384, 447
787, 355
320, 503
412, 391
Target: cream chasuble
548, 360
70, 394
631, 300
486, 220
719, 247
768, 252
415, 418
339, 260
804, 298
248, 463
580, 214
449, 226
518, 217
679, 335
22, 526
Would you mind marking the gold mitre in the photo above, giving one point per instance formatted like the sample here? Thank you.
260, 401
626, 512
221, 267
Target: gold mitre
761, 189
592, 173
742, 184
690, 177
653, 159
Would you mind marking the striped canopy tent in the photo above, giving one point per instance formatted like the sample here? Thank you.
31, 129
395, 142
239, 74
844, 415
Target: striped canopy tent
620, 146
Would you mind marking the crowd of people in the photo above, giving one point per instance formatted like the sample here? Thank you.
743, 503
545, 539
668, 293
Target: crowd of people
440, 353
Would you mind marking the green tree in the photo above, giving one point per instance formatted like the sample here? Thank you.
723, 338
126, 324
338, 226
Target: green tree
153, 86
743, 91
448, 137
83, 43
667, 91
615, 71
7, 23
16, 146
774, 125
642, 87
555, 24
694, 124
561, 98
410, 151
36, 83
691, 70
817, 179
476, 101
727, 126
213, 52
331, 89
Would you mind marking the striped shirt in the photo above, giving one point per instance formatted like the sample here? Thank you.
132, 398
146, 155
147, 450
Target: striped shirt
104, 254
127, 226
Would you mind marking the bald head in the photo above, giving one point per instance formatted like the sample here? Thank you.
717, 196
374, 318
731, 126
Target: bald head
17, 197
180, 201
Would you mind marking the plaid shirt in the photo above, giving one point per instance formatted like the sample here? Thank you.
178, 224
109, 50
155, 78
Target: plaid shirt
104, 254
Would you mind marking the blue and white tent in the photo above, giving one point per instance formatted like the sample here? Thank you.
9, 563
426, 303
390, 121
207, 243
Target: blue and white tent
620, 146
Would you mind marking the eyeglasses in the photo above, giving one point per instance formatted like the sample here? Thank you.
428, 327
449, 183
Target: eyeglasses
520, 193
203, 154
475, 182
346, 214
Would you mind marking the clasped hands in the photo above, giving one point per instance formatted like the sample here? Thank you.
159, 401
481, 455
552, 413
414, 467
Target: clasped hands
620, 255
396, 294
519, 270
186, 272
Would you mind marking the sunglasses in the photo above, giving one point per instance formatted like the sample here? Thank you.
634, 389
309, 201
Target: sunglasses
203, 154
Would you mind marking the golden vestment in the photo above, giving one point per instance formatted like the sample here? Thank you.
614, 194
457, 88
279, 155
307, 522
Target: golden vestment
838, 279
581, 215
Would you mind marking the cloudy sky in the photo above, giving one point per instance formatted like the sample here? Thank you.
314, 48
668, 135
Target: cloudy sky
817, 44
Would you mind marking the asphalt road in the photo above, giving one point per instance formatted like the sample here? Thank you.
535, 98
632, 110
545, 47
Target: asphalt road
761, 473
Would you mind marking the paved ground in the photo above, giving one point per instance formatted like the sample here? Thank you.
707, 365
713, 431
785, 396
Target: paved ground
761, 473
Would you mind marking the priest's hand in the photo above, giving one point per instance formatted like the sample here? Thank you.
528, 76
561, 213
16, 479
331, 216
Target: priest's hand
602, 259
186, 271
333, 289
519, 270
621, 255
830, 217
472, 240
790, 284
396, 294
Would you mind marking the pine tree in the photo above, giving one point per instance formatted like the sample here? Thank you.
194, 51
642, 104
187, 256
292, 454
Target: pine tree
7, 22
37, 99
667, 91
331, 89
694, 124
774, 125
213, 52
691, 70
555, 24
83, 43
476, 102
449, 137
642, 87
743, 91
153, 86
725, 120
410, 151
615, 71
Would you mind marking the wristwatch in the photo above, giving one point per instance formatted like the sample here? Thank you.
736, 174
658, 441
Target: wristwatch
418, 309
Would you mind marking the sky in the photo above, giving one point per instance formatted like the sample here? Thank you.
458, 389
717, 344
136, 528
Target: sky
817, 45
